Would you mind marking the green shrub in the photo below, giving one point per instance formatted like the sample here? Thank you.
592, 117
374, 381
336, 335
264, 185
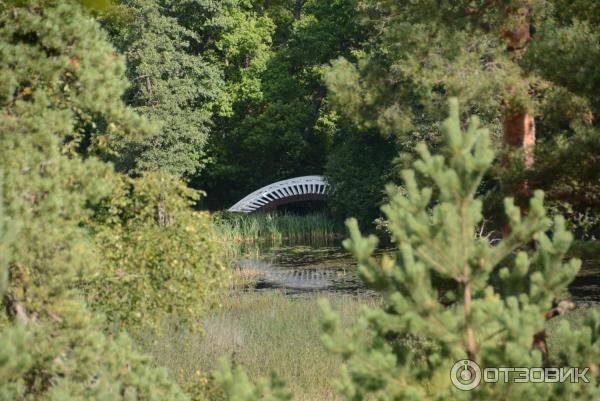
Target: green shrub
496, 300
160, 258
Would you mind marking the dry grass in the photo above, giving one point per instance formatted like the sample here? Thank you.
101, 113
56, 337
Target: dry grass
265, 332
271, 332
245, 278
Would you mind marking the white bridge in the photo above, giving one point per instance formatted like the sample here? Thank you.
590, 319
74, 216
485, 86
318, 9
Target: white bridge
310, 187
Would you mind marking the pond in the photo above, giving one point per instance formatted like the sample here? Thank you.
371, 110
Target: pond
301, 268
585, 289
297, 269
275, 327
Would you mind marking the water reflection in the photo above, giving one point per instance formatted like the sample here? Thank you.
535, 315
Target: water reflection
585, 289
299, 268
326, 266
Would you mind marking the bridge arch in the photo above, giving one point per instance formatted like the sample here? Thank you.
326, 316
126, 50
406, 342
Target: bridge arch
310, 187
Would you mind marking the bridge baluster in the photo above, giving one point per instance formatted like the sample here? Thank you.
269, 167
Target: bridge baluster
287, 191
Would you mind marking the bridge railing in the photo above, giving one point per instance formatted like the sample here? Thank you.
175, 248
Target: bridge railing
306, 186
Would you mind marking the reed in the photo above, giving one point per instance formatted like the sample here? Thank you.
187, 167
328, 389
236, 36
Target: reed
275, 227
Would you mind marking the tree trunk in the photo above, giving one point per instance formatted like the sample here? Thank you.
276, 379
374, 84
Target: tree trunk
298, 5
519, 126
519, 131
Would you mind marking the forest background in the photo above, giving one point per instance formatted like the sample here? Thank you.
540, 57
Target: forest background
122, 121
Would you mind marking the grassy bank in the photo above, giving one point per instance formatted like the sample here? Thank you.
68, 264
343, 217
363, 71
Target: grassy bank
558, 344
265, 332
276, 227
271, 332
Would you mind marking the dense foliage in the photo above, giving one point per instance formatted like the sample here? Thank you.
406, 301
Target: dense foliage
151, 241
526, 67
498, 297
451, 294
323, 73
357, 169
52, 346
114, 119
172, 82
247, 92
73, 229
286, 127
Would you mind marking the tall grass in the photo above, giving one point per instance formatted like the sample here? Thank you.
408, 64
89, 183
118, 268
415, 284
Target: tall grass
264, 332
270, 332
275, 227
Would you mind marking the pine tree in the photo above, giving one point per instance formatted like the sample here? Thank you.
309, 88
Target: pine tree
564, 53
451, 294
58, 69
84, 80
526, 67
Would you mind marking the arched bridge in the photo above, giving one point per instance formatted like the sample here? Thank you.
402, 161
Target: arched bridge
310, 187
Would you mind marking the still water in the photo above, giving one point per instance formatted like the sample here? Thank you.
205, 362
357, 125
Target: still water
301, 268
304, 268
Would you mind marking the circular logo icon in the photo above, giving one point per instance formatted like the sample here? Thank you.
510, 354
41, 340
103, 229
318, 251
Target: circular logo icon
465, 375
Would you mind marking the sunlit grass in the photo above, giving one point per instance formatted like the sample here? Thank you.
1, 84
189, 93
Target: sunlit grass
245, 278
556, 343
269, 332
264, 332
275, 227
